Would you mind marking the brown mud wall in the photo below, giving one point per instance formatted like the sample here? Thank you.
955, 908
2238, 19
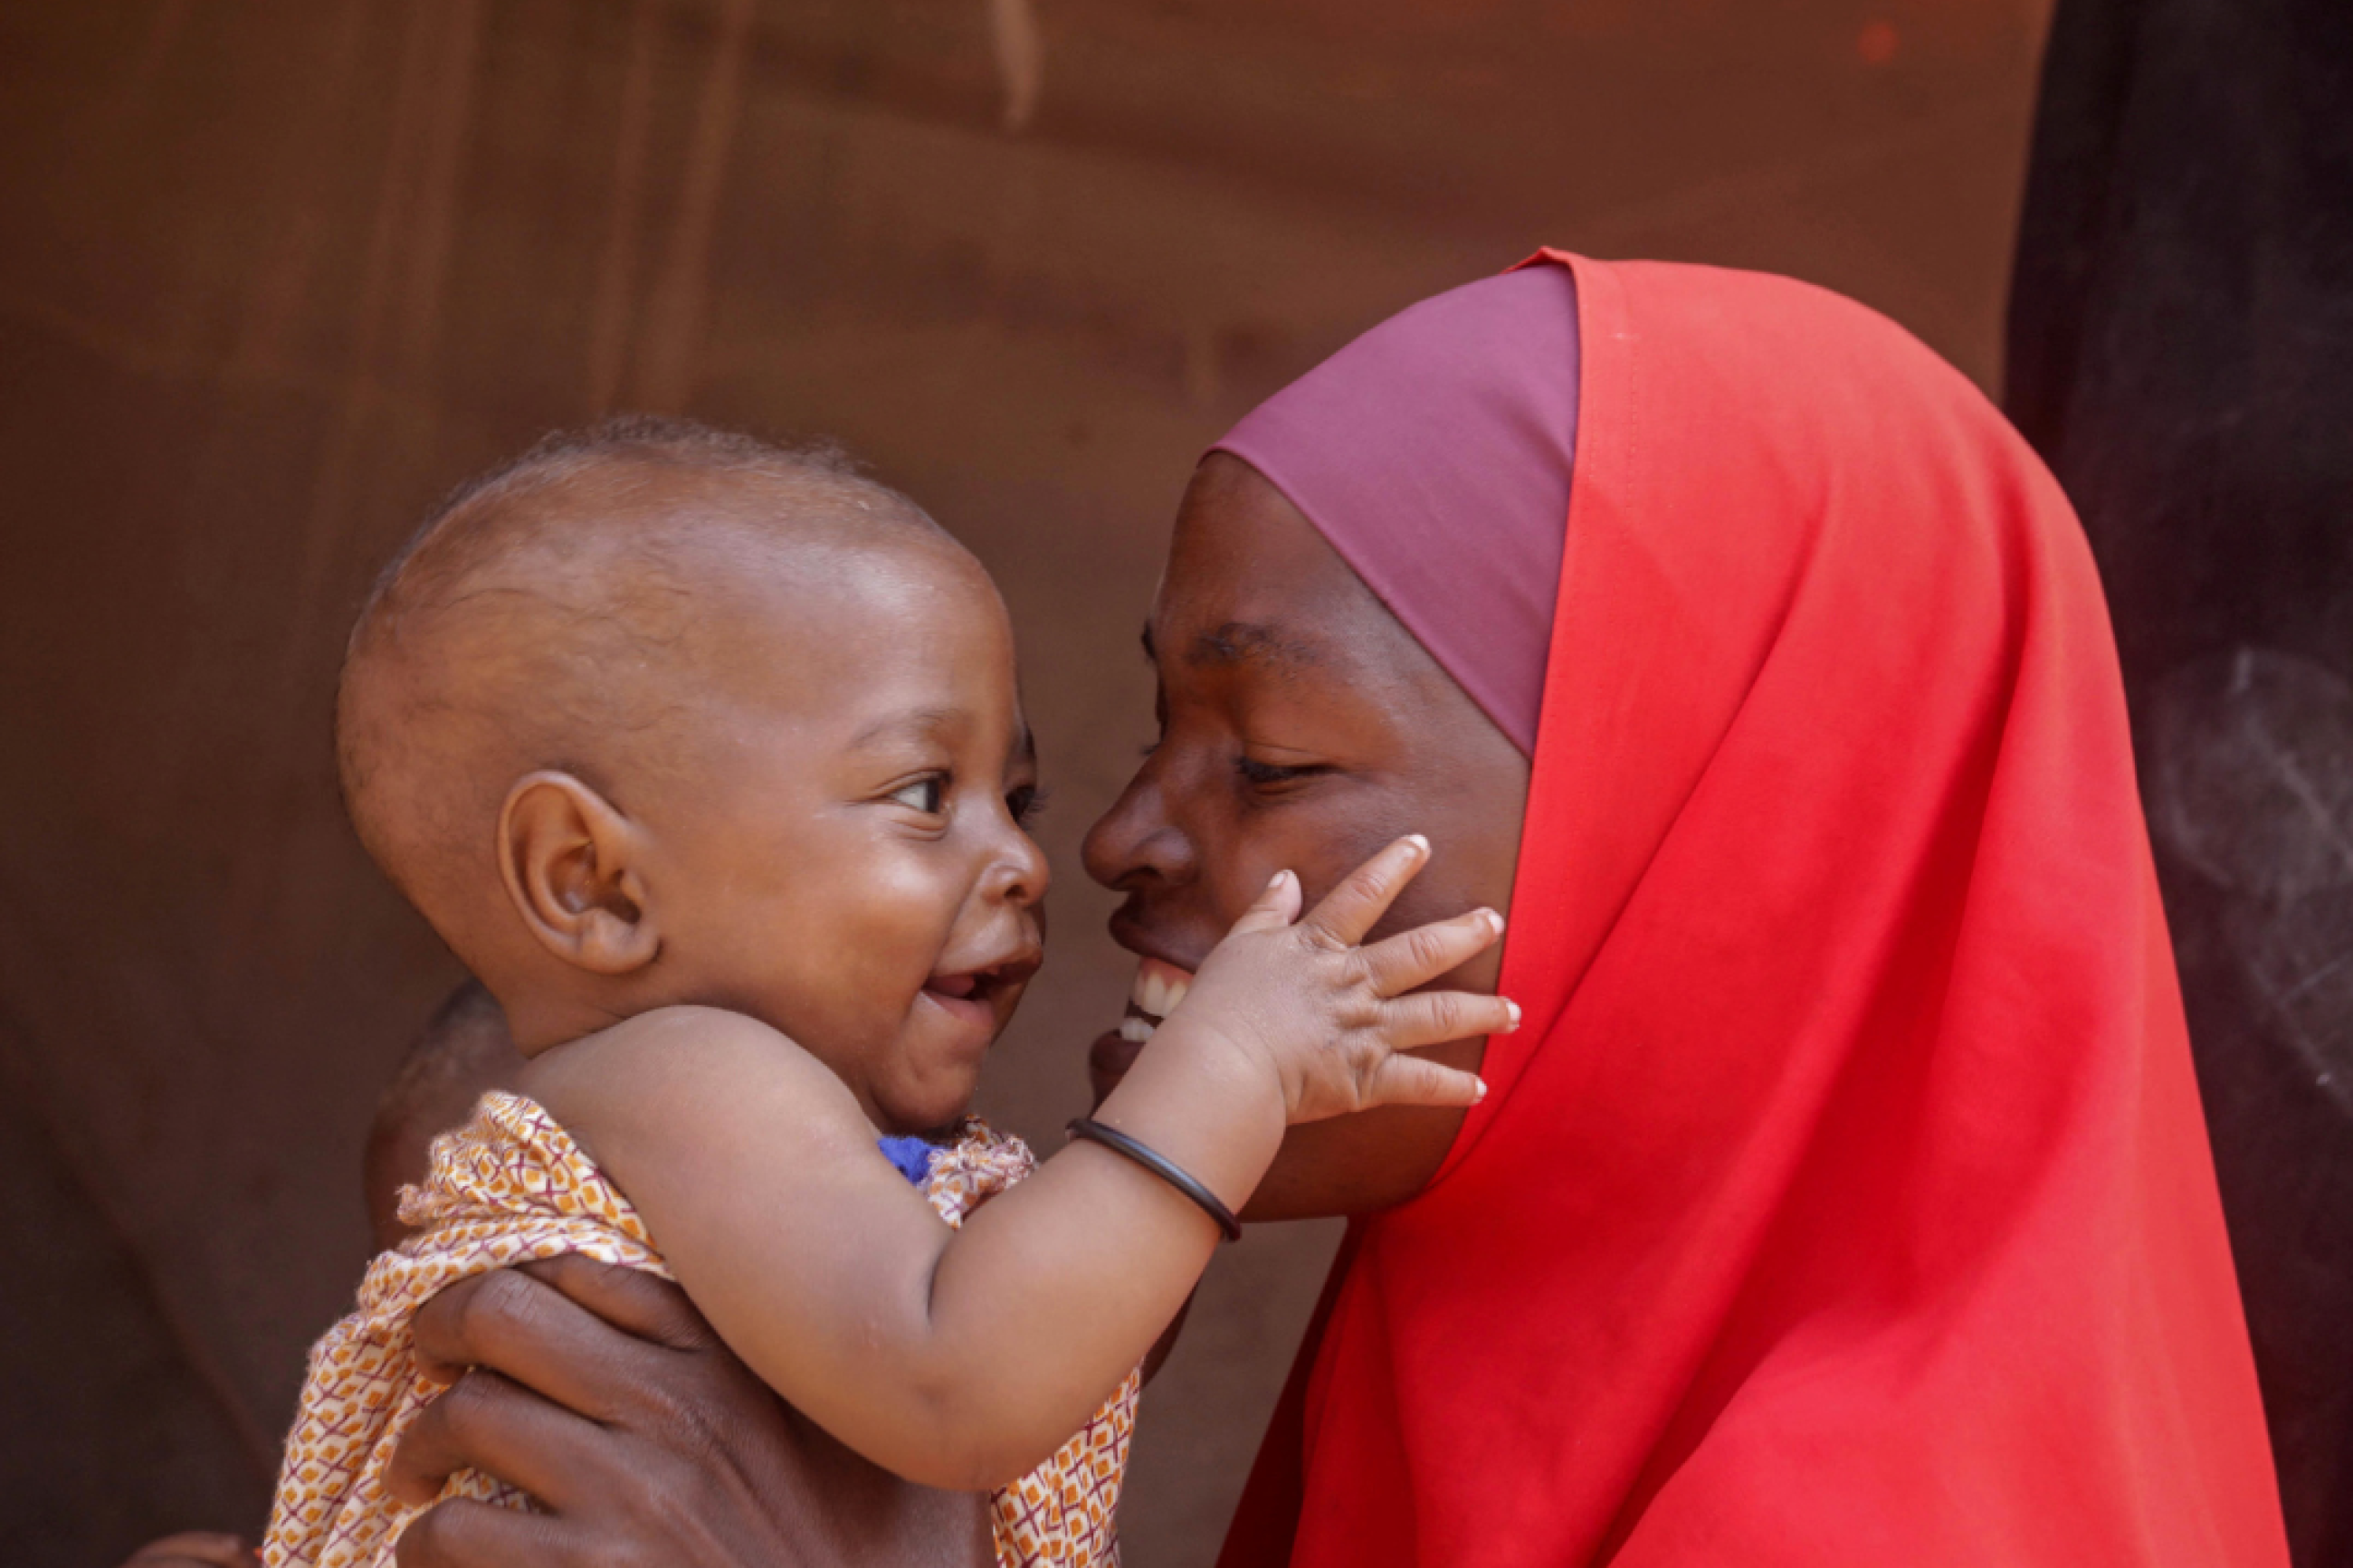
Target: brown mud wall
274, 275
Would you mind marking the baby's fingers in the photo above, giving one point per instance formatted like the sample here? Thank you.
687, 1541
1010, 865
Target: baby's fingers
1364, 896
1434, 1017
1276, 907
1416, 957
1417, 1080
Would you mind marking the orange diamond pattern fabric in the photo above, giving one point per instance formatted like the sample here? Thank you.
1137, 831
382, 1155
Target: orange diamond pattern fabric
512, 1186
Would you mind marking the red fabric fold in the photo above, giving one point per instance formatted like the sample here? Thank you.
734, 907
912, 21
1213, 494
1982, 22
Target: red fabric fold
1845, 1198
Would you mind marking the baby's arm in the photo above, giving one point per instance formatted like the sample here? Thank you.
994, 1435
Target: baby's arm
962, 1359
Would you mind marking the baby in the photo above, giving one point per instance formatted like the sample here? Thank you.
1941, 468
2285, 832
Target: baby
707, 756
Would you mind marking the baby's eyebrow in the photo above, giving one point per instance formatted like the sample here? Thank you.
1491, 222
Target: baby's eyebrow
915, 722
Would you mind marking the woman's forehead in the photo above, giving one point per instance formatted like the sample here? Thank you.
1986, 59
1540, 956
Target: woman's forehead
1249, 579
1265, 629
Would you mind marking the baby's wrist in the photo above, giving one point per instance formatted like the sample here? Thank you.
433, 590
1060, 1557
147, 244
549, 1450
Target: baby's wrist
1242, 1073
1207, 1102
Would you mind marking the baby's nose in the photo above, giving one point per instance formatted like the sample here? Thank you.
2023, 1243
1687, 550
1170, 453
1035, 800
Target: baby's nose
1020, 874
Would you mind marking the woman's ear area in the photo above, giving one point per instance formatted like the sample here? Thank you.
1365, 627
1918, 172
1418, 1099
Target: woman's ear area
570, 860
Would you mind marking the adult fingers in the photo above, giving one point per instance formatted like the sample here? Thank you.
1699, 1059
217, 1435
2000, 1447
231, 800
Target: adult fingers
1434, 1017
1364, 894
635, 1302
1276, 907
1416, 957
529, 1329
205, 1548
486, 1423
1417, 1080
464, 1533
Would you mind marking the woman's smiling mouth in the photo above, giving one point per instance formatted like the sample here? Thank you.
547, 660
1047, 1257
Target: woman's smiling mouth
1158, 988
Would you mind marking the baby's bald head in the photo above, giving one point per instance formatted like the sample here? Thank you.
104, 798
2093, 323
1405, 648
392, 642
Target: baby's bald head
565, 611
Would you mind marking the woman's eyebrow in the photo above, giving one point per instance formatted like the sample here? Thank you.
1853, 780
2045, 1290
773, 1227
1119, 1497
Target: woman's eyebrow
1240, 642
1250, 642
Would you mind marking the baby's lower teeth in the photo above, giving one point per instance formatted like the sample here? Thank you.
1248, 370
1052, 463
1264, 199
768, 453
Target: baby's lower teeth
1135, 1029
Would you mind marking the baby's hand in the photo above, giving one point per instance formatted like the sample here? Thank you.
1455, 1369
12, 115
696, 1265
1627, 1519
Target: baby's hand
1328, 1017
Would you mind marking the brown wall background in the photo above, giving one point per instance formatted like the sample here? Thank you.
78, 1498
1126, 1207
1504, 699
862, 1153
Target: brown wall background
273, 275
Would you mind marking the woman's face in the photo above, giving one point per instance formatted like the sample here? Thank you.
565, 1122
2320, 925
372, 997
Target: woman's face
1301, 727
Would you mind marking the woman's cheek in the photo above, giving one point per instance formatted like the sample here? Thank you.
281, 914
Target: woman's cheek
1332, 854
1289, 835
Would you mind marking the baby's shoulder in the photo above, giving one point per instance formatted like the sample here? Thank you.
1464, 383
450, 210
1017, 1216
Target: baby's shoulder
696, 1023
684, 1057
709, 1033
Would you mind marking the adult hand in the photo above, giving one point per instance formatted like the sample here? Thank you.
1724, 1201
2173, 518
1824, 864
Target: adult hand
196, 1549
602, 1393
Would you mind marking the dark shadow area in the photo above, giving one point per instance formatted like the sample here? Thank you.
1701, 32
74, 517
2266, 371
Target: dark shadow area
112, 1438
2181, 351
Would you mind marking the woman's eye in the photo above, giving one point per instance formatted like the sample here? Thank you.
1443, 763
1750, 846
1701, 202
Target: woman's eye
1268, 774
925, 794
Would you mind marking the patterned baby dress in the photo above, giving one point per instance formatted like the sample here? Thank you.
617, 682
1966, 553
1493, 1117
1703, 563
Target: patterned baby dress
510, 1186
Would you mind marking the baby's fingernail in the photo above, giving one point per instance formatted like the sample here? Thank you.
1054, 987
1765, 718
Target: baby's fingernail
1495, 922
1481, 1094
1419, 842
1514, 1008
1279, 877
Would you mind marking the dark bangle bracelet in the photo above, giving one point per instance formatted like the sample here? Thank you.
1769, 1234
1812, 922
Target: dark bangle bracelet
1160, 1165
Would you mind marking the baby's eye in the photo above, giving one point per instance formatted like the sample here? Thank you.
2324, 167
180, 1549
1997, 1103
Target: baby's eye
1026, 803
925, 794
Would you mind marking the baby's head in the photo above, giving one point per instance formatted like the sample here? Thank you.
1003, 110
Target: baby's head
655, 714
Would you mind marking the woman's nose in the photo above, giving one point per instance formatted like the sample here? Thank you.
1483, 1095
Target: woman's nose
1135, 839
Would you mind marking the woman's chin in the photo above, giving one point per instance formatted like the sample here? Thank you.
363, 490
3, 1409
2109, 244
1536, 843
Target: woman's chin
1108, 1060
1350, 1165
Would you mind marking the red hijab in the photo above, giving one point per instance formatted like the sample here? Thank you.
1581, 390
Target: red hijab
1845, 1198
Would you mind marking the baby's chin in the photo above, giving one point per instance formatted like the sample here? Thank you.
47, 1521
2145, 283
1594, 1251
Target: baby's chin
933, 1075
933, 1103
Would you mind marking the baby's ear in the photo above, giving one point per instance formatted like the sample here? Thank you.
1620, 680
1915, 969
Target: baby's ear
568, 857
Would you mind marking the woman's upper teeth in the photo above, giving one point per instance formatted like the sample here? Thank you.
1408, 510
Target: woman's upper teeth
1159, 987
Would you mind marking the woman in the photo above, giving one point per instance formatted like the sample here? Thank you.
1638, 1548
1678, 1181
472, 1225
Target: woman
1844, 1198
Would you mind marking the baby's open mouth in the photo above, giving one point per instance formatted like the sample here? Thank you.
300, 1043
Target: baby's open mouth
1158, 988
980, 987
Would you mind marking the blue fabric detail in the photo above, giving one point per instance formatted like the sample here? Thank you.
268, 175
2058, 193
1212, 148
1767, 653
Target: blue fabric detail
912, 1156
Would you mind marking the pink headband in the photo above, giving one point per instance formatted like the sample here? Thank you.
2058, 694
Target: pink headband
1434, 454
